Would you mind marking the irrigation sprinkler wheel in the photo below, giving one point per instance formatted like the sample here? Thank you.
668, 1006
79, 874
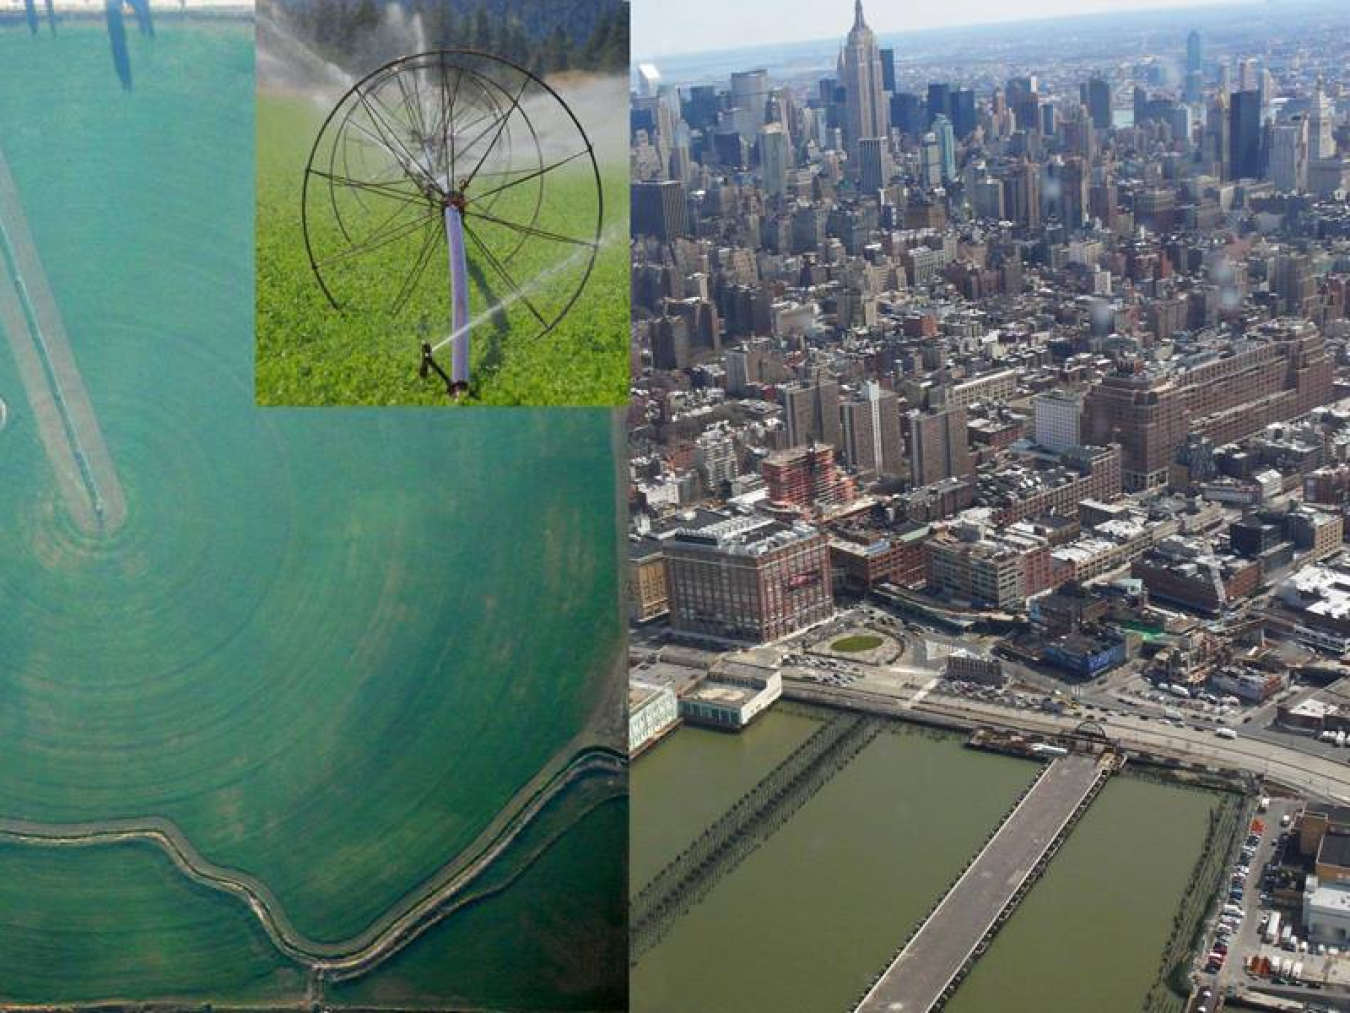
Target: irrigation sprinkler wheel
453, 134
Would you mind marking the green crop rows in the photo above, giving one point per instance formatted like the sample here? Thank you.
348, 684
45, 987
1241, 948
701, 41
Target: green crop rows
311, 354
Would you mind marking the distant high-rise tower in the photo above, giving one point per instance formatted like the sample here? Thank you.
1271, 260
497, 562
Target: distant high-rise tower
1244, 135
658, 209
1193, 54
812, 412
871, 431
875, 164
964, 120
938, 445
1217, 131
946, 137
861, 77
1097, 97
888, 70
1289, 155
930, 161
1321, 141
1073, 192
1249, 74
750, 92
774, 157
939, 102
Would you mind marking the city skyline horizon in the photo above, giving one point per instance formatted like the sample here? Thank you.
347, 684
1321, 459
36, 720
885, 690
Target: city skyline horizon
741, 22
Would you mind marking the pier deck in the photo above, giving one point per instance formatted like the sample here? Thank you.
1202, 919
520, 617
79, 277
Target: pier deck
921, 976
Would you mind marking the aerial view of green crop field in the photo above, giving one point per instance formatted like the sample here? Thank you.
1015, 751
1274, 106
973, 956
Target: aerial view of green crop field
442, 207
288, 699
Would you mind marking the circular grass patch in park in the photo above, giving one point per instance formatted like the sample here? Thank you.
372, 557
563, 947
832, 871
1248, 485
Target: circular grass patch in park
857, 643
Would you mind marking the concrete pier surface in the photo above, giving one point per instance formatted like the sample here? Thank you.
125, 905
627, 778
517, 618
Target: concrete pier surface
66, 423
917, 979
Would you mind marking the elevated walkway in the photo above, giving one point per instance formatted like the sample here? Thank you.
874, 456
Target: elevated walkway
930, 966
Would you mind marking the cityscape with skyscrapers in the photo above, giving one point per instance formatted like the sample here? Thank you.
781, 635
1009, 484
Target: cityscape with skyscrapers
996, 380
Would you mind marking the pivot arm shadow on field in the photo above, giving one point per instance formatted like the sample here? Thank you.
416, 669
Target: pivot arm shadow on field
494, 352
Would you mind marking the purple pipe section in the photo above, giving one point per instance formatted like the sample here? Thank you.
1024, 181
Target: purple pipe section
459, 296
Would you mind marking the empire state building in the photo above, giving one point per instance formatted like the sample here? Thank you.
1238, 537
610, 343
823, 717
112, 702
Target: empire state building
860, 75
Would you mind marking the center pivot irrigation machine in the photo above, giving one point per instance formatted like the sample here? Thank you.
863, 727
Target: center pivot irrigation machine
461, 149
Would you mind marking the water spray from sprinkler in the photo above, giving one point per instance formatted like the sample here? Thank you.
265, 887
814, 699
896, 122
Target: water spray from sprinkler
457, 147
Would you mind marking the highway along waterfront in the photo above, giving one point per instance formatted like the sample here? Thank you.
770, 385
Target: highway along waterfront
818, 906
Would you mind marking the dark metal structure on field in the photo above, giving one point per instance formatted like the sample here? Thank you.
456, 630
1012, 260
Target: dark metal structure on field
449, 148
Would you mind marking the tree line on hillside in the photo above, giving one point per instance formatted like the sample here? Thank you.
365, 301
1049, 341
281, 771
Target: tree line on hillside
590, 35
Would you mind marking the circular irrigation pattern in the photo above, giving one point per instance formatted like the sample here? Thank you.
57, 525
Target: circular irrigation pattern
284, 650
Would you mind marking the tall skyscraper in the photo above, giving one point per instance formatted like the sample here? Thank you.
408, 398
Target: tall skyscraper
907, 113
1022, 193
750, 92
658, 209
774, 158
939, 102
871, 431
1249, 74
964, 119
701, 106
812, 412
930, 161
888, 70
1289, 155
1193, 53
1097, 97
875, 160
1217, 131
946, 137
1245, 134
1073, 192
1195, 86
938, 446
860, 75
1321, 141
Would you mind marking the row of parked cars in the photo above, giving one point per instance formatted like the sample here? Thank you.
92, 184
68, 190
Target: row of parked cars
1233, 912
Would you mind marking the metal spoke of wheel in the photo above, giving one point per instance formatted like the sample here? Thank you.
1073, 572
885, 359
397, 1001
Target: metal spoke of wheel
501, 125
381, 126
386, 224
413, 107
409, 286
466, 122
379, 189
370, 246
502, 172
530, 230
510, 282
449, 104
393, 123
534, 175
381, 145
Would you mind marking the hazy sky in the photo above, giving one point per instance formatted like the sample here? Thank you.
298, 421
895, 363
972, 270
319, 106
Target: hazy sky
681, 26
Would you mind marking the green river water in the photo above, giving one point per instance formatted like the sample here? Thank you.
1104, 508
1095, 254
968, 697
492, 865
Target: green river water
803, 924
